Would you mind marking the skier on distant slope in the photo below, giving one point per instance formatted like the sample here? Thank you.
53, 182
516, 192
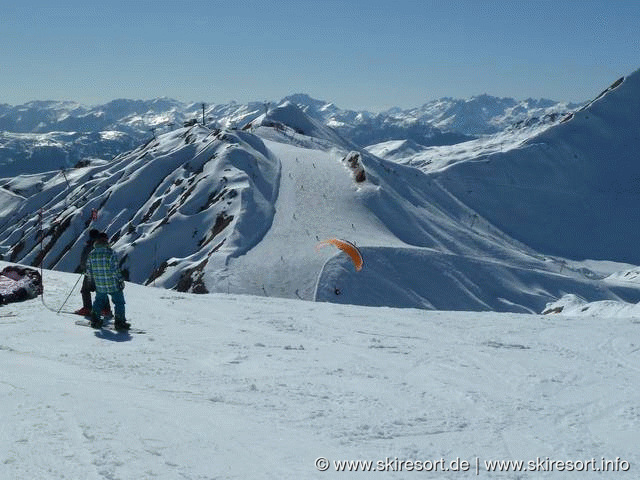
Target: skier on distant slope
87, 285
103, 270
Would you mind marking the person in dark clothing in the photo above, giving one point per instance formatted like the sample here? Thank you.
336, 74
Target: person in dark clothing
87, 284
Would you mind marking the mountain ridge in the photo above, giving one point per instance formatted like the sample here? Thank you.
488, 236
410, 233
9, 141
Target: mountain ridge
49, 115
44, 135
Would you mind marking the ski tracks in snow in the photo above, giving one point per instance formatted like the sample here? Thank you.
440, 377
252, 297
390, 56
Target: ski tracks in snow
233, 386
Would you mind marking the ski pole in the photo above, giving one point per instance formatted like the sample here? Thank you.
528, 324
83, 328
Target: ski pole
72, 289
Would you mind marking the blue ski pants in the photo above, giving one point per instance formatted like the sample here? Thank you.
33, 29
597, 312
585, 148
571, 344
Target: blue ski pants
102, 300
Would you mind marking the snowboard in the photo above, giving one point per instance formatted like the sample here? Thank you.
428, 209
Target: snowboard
109, 326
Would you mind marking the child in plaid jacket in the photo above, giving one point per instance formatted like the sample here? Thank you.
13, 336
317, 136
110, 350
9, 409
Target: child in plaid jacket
103, 270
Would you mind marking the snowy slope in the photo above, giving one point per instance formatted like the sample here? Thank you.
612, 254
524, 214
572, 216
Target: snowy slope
237, 387
206, 193
204, 210
433, 158
571, 190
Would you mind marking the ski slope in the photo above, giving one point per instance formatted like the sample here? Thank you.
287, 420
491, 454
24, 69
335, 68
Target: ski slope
238, 386
317, 199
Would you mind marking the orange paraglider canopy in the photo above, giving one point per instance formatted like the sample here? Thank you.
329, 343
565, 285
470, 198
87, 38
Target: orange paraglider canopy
347, 247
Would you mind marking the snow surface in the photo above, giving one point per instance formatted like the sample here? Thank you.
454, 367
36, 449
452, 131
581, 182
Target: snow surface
484, 114
238, 387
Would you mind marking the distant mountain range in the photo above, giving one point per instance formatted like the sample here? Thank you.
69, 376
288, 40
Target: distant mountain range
48, 135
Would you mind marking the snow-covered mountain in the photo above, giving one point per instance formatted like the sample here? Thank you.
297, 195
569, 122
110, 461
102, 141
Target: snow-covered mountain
24, 153
570, 190
242, 211
483, 114
129, 116
477, 115
366, 128
44, 135
190, 186
434, 158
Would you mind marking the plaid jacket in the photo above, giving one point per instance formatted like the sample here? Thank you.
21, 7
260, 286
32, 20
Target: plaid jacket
103, 270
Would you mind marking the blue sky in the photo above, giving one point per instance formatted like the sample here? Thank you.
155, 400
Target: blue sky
358, 54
